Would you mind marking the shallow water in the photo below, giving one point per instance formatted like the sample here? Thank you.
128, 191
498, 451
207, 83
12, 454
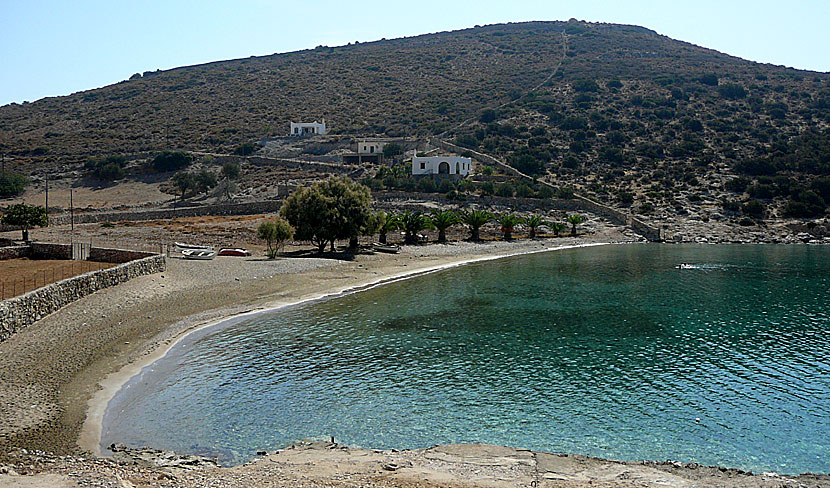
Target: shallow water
612, 351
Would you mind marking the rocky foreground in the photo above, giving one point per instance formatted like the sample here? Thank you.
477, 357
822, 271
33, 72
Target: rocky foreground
325, 464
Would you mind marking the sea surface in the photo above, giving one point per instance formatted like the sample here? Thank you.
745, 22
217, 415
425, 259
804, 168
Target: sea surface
614, 351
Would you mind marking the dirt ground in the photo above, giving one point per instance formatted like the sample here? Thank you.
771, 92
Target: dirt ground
18, 276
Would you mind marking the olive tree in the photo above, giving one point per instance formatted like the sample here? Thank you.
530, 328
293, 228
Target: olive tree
25, 216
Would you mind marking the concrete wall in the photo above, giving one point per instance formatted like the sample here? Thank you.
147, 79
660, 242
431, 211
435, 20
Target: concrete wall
19, 312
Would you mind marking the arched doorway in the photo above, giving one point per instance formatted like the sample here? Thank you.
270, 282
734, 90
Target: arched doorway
443, 168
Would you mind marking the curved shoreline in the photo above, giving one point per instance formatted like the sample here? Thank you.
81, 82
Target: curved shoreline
91, 432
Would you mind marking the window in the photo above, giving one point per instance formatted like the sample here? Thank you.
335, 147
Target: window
423, 165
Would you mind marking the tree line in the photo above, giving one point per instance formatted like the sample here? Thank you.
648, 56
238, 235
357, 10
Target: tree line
340, 209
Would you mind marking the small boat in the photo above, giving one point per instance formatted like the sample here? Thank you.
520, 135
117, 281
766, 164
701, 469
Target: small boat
388, 248
191, 246
203, 254
235, 251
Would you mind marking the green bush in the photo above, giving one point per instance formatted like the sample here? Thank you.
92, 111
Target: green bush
110, 168
737, 185
172, 160
731, 91
753, 208
12, 184
487, 116
585, 86
245, 149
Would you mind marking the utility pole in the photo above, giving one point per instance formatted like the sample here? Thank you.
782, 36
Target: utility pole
71, 217
47, 199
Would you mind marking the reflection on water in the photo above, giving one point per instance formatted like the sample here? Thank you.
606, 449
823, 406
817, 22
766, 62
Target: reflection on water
611, 351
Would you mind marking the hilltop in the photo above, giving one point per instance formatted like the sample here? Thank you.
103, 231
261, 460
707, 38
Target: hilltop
617, 112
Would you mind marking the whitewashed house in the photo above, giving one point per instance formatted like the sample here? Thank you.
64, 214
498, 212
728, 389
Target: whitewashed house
371, 146
441, 165
308, 128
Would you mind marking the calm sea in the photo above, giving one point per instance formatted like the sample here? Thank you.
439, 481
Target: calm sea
611, 351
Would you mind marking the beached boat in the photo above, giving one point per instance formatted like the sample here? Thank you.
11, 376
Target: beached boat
227, 251
204, 254
388, 248
191, 246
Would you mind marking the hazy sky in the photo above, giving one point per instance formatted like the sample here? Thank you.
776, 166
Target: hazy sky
57, 47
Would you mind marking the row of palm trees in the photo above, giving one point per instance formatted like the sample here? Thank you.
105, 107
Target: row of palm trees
413, 222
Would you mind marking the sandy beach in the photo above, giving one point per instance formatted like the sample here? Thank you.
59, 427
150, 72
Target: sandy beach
61, 372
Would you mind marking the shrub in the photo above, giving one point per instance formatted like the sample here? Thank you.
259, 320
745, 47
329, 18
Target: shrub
731, 91
753, 207
505, 190
110, 168
231, 170
737, 185
392, 149
585, 86
487, 116
245, 149
172, 160
275, 233
12, 184
710, 79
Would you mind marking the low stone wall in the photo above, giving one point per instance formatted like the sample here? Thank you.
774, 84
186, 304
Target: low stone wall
14, 252
249, 208
19, 312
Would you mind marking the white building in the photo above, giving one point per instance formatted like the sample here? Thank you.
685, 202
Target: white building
370, 146
441, 165
308, 128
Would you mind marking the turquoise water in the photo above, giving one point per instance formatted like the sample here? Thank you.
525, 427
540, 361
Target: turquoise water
609, 351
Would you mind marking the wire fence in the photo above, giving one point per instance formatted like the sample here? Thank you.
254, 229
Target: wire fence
52, 272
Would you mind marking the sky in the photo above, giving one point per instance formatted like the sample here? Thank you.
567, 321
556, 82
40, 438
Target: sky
58, 47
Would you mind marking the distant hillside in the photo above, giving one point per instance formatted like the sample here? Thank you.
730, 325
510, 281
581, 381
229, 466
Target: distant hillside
625, 114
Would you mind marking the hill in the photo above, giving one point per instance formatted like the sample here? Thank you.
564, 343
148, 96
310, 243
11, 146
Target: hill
619, 112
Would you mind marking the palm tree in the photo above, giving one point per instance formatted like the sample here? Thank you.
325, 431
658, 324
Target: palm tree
442, 220
508, 222
474, 219
412, 223
534, 222
387, 223
574, 220
557, 228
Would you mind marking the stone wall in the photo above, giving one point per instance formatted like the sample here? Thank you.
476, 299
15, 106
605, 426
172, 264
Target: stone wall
14, 252
19, 312
249, 208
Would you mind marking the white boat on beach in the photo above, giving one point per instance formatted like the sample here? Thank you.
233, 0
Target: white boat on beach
388, 248
192, 246
203, 254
